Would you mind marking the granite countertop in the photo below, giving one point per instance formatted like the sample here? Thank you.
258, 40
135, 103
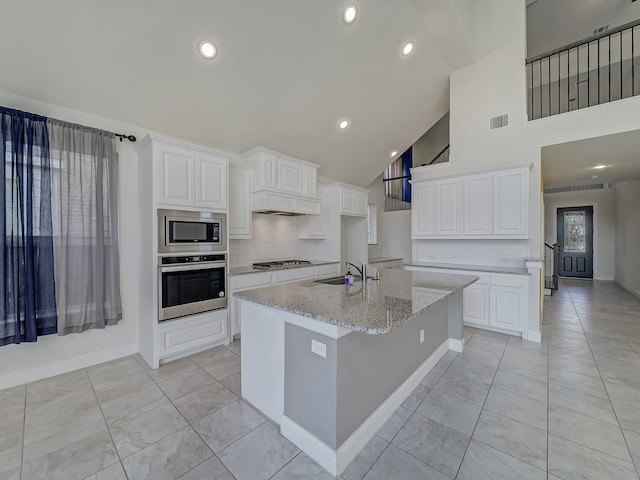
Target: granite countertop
474, 268
385, 304
249, 269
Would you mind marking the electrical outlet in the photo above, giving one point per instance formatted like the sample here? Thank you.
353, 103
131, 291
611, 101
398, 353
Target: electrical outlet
422, 336
319, 348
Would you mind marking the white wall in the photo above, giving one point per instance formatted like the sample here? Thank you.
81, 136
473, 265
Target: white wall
53, 354
628, 235
432, 142
604, 224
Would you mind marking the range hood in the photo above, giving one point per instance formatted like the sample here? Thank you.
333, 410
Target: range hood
277, 212
283, 203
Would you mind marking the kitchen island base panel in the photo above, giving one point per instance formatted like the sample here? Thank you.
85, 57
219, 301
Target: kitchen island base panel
335, 461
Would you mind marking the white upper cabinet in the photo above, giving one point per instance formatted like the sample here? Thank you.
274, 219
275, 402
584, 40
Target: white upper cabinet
491, 204
449, 207
511, 203
315, 226
478, 204
423, 210
310, 179
290, 175
211, 181
353, 201
239, 221
189, 176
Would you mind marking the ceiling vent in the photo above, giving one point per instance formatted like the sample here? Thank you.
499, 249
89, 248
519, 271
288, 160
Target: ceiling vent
578, 188
499, 122
601, 29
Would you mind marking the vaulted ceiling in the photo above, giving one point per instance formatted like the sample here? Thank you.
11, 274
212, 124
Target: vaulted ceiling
287, 71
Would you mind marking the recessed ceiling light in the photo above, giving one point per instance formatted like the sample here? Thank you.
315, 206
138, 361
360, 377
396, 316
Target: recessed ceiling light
594, 176
393, 154
207, 49
407, 49
343, 124
600, 167
350, 13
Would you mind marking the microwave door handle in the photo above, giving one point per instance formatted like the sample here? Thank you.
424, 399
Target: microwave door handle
199, 266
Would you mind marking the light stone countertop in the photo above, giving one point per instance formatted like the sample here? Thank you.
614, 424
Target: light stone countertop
384, 259
385, 304
473, 268
249, 269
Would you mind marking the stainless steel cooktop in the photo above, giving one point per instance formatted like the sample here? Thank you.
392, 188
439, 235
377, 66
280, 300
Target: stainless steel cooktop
280, 264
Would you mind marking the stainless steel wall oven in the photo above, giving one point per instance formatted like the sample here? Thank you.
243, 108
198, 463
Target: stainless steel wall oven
191, 284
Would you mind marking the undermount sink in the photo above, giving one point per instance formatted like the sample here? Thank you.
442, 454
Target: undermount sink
336, 280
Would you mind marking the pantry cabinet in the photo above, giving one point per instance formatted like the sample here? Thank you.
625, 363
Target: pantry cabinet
239, 221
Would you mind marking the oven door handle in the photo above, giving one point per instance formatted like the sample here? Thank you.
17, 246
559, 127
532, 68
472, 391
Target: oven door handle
192, 266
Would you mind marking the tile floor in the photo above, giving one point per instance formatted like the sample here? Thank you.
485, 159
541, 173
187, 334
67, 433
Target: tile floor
504, 409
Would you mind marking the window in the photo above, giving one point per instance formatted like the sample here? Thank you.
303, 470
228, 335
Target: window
372, 224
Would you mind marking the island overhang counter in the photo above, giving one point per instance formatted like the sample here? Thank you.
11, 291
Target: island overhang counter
331, 363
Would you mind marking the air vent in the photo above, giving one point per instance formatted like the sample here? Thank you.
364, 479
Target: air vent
499, 121
577, 188
601, 29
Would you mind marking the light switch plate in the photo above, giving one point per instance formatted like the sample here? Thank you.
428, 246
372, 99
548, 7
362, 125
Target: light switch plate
319, 348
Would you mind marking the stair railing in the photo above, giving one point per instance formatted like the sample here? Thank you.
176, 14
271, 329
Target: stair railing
599, 69
551, 265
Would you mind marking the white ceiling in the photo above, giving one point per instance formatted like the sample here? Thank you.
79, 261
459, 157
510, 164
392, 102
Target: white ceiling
572, 163
286, 72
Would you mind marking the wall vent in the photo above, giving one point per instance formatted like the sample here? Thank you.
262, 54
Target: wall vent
499, 122
577, 188
601, 29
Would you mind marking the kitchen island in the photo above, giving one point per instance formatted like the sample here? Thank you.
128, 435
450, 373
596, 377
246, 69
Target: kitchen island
331, 363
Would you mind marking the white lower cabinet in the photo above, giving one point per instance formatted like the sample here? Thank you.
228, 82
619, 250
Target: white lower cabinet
188, 334
238, 283
475, 307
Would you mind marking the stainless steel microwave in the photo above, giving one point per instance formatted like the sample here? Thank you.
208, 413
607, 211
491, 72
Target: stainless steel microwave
182, 231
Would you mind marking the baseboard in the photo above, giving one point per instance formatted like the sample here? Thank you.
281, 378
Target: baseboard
336, 461
68, 365
604, 279
532, 336
456, 345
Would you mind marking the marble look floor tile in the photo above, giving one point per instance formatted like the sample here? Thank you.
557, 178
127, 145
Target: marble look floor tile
451, 412
211, 356
204, 401
489, 343
113, 472
526, 369
484, 357
10, 451
570, 460
10, 473
525, 386
577, 382
465, 389
168, 458
176, 368
43, 391
360, 465
211, 469
302, 467
628, 416
434, 375
79, 460
235, 347
589, 432
483, 462
62, 421
182, 385
582, 367
394, 463
519, 342
514, 354
633, 441
416, 397
139, 432
433, 443
258, 454
584, 404
512, 437
12, 406
394, 424
115, 370
128, 402
233, 383
518, 407
223, 368
228, 424
469, 369
623, 394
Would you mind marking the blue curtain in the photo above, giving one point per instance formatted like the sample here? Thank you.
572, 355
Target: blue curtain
27, 289
407, 163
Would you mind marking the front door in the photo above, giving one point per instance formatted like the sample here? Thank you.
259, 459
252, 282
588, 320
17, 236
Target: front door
575, 238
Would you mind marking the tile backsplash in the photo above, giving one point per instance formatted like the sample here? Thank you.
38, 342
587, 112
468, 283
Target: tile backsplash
275, 237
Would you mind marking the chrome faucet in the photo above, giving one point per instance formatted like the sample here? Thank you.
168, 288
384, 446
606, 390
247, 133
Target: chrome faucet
362, 270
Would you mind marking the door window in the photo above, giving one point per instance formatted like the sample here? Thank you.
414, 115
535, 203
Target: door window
574, 228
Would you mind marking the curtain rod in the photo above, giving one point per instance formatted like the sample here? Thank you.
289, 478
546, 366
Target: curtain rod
131, 138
